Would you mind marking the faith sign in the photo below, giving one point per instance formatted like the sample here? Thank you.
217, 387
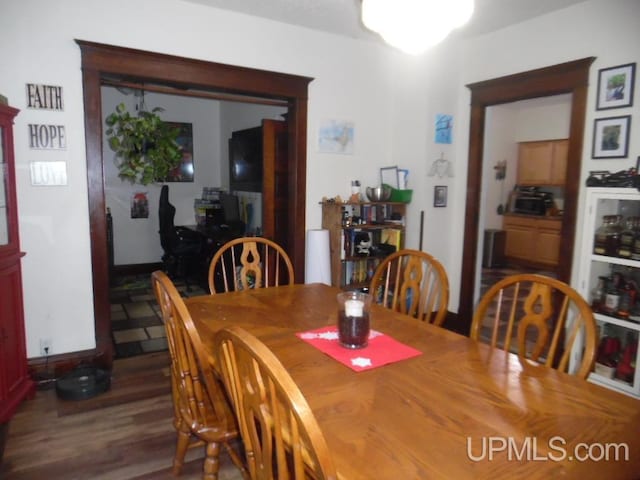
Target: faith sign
44, 97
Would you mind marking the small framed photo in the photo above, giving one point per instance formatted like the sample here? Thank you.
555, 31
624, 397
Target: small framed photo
440, 196
615, 86
389, 176
611, 137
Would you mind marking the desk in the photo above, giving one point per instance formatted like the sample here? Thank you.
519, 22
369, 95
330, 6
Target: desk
218, 233
211, 239
425, 417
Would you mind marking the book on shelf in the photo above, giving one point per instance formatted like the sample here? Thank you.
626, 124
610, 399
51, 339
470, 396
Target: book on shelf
359, 272
391, 236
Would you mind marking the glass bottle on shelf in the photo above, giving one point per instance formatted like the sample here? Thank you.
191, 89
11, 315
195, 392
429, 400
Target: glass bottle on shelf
597, 294
600, 239
626, 367
613, 235
612, 297
635, 249
627, 236
609, 348
624, 305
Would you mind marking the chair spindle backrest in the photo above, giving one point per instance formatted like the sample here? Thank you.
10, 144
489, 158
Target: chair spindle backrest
281, 436
195, 389
541, 319
414, 283
249, 262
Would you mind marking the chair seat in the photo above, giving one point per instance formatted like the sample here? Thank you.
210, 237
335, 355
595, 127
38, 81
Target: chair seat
212, 426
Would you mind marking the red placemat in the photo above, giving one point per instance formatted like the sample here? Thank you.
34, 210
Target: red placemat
381, 350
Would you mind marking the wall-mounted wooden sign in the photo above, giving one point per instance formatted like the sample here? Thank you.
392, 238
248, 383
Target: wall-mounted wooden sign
47, 137
48, 173
44, 97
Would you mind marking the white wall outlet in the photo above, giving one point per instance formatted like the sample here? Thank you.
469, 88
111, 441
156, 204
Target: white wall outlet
45, 347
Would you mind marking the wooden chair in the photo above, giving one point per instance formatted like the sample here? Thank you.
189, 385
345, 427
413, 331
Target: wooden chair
281, 436
201, 413
249, 262
414, 283
540, 318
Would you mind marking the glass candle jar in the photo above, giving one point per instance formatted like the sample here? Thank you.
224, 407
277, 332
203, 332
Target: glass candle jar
353, 319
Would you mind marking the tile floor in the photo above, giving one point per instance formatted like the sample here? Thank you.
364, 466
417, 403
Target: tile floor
136, 326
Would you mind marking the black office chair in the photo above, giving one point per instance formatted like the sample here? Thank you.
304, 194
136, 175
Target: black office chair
182, 246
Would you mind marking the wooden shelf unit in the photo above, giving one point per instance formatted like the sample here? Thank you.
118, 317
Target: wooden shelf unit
382, 222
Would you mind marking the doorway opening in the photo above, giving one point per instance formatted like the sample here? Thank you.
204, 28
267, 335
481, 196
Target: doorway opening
101, 63
523, 187
566, 78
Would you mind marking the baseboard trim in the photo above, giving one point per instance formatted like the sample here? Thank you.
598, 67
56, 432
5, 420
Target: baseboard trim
137, 268
54, 366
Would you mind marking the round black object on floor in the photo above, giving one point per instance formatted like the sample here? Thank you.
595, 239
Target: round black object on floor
82, 383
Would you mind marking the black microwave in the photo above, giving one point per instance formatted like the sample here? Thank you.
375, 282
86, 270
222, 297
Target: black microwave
532, 203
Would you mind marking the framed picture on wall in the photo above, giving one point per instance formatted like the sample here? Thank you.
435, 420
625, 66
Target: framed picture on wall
615, 86
611, 137
440, 196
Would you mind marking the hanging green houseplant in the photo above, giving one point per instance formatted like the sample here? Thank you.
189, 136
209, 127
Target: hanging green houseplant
145, 146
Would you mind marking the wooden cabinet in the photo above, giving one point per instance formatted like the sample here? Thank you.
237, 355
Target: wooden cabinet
547, 249
533, 240
543, 162
618, 357
360, 236
15, 383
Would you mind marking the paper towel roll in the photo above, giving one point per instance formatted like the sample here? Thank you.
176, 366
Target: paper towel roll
317, 265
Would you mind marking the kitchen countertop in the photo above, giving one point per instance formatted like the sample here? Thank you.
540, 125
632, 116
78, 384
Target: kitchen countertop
525, 215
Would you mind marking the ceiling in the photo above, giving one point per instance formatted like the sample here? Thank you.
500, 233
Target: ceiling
343, 16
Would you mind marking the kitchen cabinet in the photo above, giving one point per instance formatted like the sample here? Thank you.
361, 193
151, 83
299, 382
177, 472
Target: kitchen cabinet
15, 383
360, 235
532, 240
542, 162
611, 284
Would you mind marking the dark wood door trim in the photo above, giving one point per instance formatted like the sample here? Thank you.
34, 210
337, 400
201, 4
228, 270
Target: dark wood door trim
101, 62
571, 77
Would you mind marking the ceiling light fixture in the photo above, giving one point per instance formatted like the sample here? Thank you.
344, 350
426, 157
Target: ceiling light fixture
414, 25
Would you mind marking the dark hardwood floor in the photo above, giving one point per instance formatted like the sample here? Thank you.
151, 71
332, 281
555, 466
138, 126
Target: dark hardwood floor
125, 433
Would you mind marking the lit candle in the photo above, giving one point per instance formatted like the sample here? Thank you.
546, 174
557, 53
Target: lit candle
353, 308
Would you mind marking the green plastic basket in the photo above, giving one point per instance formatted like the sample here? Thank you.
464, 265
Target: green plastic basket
402, 196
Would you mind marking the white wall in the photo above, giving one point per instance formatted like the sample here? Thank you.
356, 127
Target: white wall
545, 118
391, 98
597, 28
499, 146
39, 47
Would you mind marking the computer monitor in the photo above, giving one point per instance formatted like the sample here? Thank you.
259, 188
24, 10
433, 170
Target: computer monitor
231, 207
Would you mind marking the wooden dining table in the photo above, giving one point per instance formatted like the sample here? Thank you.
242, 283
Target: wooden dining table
459, 410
